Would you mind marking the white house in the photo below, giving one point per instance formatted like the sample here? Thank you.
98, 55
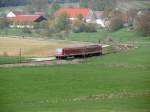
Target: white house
99, 18
11, 14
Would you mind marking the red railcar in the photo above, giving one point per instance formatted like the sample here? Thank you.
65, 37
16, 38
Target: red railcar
79, 51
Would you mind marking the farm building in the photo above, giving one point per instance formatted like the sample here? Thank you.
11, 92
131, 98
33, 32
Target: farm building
15, 13
74, 12
99, 18
21, 21
89, 15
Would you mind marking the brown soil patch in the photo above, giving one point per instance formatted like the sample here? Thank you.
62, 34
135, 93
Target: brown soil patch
30, 47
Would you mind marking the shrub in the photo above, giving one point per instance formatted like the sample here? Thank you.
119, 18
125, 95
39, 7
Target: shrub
26, 30
78, 26
90, 27
36, 26
41, 25
62, 22
4, 23
116, 23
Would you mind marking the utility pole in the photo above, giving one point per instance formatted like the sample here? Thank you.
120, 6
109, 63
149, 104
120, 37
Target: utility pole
20, 55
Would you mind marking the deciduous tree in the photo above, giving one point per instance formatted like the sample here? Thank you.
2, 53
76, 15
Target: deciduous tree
142, 24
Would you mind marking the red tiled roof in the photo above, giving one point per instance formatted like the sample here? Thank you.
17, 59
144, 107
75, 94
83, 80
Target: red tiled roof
25, 18
73, 12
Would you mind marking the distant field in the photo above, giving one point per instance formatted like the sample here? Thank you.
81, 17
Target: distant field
122, 35
30, 47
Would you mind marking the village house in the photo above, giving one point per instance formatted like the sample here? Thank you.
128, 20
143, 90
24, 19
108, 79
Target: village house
89, 15
22, 21
15, 13
73, 12
99, 18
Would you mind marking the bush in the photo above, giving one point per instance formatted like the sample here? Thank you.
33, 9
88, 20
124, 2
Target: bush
26, 30
142, 24
116, 23
90, 27
62, 22
4, 23
41, 25
78, 26
36, 26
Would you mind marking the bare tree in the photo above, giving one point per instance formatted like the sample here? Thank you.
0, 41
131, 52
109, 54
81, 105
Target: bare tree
142, 23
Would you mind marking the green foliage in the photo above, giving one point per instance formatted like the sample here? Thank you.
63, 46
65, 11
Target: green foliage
90, 27
121, 35
5, 3
98, 4
55, 6
4, 23
84, 3
41, 25
37, 5
26, 30
78, 26
116, 23
62, 21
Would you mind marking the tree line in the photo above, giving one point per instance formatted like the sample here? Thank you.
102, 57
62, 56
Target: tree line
6, 3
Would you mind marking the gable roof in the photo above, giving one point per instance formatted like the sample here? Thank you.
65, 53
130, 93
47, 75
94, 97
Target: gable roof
73, 12
11, 14
28, 18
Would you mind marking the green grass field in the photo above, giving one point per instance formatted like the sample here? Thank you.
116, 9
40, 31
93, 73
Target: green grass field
11, 60
122, 35
113, 83
14, 32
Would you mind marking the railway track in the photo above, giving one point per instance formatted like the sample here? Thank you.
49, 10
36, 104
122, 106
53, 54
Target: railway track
41, 63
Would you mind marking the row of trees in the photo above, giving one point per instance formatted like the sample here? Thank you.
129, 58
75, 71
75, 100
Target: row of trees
4, 23
98, 4
5, 3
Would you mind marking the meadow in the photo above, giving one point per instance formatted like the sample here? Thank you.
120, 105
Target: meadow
116, 82
12, 59
122, 35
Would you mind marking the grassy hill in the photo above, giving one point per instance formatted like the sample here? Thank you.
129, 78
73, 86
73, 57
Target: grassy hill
117, 82
113, 83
